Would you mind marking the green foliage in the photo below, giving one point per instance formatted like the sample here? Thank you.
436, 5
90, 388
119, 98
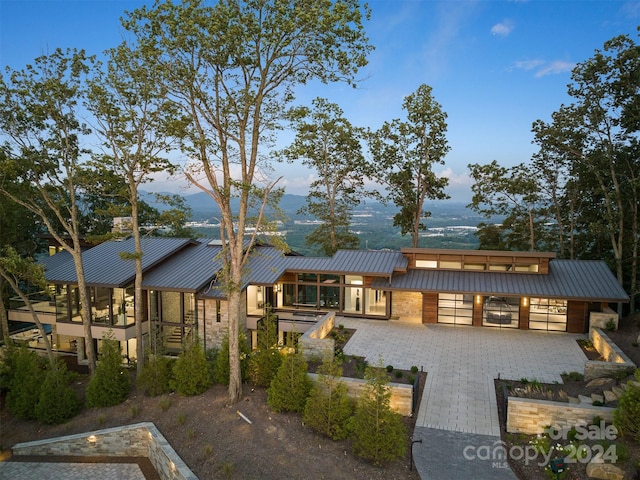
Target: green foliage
221, 366
378, 433
327, 143
191, 370
291, 385
626, 416
110, 383
610, 326
25, 383
328, 407
265, 361
58, 401
389, 368
404, 153
156, 375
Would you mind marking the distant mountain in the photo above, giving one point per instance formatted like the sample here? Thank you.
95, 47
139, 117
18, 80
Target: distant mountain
204, 208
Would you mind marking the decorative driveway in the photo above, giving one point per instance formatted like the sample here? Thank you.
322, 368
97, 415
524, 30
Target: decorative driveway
458, 406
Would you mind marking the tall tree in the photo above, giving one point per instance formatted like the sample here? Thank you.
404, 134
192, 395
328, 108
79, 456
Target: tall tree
19, 230
598, 135
232, 67
327, 143
132, 118
511, 193
404, 153
40, 126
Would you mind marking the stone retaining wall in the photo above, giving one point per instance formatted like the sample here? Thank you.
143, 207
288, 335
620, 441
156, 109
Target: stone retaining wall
401, 394
138, 440
615, 359
525, 415
314, 343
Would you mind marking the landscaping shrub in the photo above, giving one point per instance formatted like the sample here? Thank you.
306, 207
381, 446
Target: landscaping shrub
110, 383
58, 401
329, 408
378, 433
266, 359
626, 416
156, 375
291, 385
221, 367
191, 370
25, 382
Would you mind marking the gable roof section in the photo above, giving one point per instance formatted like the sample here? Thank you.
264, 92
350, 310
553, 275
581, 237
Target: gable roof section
103, 266
190, 269
589, 280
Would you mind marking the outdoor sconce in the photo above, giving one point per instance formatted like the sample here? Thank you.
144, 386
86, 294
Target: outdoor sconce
478, 299
525, 301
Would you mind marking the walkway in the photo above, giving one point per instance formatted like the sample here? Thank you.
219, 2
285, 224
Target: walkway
458, 407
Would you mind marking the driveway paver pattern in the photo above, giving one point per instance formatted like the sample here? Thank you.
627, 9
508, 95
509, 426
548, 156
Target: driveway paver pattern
458, 406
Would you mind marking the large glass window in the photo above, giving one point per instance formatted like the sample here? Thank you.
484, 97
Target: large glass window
548, 314
502, 312
307, 296
455, 308
329, 296
376, 302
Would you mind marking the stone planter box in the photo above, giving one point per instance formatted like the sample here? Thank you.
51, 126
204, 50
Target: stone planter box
615, 359
401, 394
138, 440
314, 342
532, 417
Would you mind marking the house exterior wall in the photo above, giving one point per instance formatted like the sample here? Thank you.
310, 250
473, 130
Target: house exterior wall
406, 306
212, 330
577, 317
429, 308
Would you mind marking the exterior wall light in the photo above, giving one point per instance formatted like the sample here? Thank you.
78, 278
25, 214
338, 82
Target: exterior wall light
92, 439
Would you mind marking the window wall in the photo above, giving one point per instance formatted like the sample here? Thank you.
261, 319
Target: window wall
174, 315
345, 294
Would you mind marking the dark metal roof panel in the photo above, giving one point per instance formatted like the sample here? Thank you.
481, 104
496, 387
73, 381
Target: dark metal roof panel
190, 269
362, 262
104, 267
266, 265
568, 279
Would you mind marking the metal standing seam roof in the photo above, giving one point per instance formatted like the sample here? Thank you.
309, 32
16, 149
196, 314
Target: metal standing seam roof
103, 266
189, 270
363, 262
568, 279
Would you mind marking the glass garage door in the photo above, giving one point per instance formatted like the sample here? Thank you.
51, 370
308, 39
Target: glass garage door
455, 308
548, 314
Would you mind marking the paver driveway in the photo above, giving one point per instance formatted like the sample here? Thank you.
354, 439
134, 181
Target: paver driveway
459, 396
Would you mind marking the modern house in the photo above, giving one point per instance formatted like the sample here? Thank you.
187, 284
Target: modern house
183, 291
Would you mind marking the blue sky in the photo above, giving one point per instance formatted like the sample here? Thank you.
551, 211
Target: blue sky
495, 66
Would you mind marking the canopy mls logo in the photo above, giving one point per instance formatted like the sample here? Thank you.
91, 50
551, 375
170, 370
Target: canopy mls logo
556, 442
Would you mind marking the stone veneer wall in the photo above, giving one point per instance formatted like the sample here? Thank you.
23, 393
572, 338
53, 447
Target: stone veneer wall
615, 359
314, 343
406, 306
138, 440
532, 417
600, 319
401, 394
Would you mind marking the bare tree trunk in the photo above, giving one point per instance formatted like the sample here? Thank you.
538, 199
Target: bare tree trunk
4, 321
85, 310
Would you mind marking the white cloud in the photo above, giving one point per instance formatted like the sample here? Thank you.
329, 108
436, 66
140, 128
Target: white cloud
543, 68
528, 64
554, 68
502, 29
